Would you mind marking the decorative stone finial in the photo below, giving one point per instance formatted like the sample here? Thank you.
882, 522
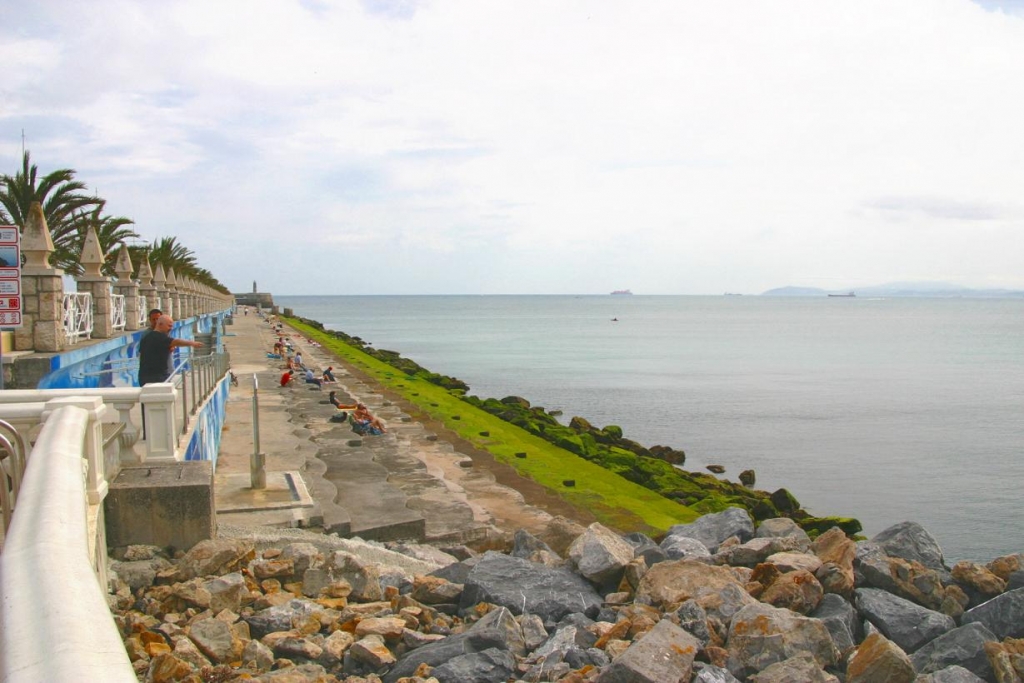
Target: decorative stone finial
36, 243
145, 271
159, 278
92, 254
171, 280
123, 265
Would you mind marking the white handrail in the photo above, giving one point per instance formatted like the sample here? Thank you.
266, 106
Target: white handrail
117, 314
77, 316
143, 313
55, 534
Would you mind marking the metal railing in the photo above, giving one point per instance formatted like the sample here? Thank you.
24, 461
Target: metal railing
77, 316
117, 311
196, 376
13, 456
143, 320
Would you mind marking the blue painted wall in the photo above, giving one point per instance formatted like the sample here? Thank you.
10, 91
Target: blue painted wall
205, 441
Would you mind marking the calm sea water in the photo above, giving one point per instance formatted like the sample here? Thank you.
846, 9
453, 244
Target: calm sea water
882, 409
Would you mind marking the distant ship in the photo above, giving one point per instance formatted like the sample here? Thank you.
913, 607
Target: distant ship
845, 296
621, 292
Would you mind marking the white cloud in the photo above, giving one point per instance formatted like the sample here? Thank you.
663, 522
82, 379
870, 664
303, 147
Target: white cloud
669, 147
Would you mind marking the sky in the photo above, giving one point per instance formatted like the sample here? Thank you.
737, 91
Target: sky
538, 146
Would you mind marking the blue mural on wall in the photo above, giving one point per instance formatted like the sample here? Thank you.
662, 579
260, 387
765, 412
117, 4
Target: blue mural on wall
205, 441
115, 362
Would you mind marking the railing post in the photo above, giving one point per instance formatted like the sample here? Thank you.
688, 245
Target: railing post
130, 436
160, 424
95, 478
257, 466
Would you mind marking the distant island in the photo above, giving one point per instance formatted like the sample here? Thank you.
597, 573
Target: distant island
901, 289
621, 292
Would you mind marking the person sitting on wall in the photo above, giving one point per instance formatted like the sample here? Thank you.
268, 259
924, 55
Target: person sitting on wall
313, 379
286, 377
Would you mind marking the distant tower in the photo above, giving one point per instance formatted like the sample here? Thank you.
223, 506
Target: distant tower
253, 286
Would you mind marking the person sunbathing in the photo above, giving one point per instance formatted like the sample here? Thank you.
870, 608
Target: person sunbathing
364, 419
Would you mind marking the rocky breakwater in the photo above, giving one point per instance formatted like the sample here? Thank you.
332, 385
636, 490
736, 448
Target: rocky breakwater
717, 600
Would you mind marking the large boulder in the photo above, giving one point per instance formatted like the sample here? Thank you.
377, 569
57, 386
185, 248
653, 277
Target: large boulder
600, 555
1002, 615
675, 581
783, 527
905, 623
911, 541
525, 587
840, 619
712, 529
801, 668
879, 659
963, 646
684, 548
836, 553
665, 653
754, 551
761, 635
215, 556
489, 666
952, 674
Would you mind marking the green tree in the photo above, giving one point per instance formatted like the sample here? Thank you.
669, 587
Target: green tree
110, 230
60, 195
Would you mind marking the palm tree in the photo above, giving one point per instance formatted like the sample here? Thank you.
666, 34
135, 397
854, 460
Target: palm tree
171, 254
58, 192
109, 229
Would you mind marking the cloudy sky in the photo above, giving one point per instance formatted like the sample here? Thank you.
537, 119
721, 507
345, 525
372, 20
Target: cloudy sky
548, 146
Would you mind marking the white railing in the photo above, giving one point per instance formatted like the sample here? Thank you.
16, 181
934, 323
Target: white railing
143, 321
117, 311
60, 503
77, 316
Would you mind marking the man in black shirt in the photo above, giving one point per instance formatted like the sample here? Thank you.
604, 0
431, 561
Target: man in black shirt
155, 351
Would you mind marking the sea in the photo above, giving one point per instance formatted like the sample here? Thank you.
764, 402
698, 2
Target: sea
885, 409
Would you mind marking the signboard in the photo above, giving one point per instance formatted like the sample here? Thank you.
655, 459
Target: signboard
10, 276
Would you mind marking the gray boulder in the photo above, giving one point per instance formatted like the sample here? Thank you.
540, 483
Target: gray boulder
783, 527
911, 541
644, 546
526, 546
600, 555
526, 587
280, 617
840, 618
1003, 615
801, 668
712, 529
694, 620
709, 673
905, 623
964, 646
498, 629
489, 666
684, 548
952, 674
761, 635
665, 653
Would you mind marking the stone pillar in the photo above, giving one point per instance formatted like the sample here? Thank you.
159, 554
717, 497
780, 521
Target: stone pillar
160, 282
161, 421
188, 308
42, 290
97, 284
146, 287
128, 287
171, 283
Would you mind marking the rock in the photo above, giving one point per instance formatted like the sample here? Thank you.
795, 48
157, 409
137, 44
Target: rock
879, 659
371, 653
797, 590
665, 653
141, 573
709, 673
682, 547
227, 592
215, 556
784, 501
754, 551
905, 623
560, 533
761, 635
1002, 615
600, 555
748, 478
714, 528
297, 648
788, 562
673, 582
388, 628
279, 618
488, 666
257, 656
952, 674
644, 546
837, 553
1007, 659
335, 646
782, 527
167, 668
433, 590
801, 668
215, 639
1005, 566
497, 629
907, 579
528, 547
963, 646
525, 587
426, 553
716, 469
840, 619
694, 620
910, 541
978, 581
363, 577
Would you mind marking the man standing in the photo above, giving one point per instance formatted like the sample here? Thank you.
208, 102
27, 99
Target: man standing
155, 351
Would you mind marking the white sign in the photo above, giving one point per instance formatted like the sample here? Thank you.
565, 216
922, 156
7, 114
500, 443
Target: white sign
10, 276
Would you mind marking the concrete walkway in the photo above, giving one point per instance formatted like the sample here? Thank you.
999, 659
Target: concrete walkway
405, 484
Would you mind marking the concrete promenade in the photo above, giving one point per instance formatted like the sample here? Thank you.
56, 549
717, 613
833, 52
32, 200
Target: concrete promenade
410, 483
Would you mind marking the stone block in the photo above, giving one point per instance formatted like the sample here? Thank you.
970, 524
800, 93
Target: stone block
162, 505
